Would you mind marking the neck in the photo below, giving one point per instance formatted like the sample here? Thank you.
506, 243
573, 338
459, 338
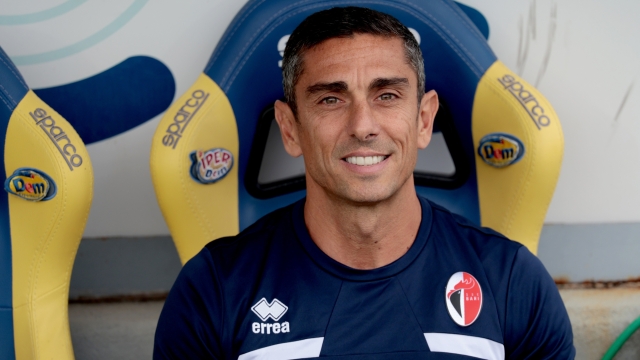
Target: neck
364, 236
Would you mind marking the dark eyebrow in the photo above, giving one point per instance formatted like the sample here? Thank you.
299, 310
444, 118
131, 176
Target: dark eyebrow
338, 86
386, 82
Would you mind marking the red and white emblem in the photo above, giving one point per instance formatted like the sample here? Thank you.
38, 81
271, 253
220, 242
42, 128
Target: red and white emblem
464, 298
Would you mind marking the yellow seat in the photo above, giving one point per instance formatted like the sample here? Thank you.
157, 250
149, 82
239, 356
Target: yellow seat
49, 187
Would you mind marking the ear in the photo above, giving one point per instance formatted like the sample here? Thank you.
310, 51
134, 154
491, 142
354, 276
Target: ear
426, 115
288, 128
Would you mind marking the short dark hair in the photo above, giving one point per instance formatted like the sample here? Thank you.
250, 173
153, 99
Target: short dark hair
342, 22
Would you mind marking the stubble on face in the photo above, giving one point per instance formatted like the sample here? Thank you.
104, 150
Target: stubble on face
364, 189
330, 133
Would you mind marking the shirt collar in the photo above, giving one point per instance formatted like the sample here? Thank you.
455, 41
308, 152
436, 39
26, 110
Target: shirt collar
348, 273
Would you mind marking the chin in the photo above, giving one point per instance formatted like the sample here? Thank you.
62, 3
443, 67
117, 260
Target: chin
371, 191
367, 197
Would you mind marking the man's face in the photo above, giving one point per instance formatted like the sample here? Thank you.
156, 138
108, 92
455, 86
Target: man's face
359, 124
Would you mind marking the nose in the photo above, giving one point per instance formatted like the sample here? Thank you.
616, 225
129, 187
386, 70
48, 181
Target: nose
362, 123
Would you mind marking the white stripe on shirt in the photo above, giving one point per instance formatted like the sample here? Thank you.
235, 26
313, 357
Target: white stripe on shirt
302, 349
465, 345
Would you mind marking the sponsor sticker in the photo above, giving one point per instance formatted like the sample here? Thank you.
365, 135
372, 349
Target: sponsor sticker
500, 149
31, 184
210, 166
463, 296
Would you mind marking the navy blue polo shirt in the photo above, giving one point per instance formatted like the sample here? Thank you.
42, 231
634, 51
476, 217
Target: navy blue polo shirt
460, 292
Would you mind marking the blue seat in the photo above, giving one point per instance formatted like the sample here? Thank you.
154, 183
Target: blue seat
48, 182
216, 163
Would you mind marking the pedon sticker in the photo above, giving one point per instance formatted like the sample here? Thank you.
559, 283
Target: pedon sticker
210, 166
31, 184
463, 296
500, 149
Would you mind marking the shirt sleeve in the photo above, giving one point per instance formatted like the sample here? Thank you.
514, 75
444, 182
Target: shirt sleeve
537, 323
190, 320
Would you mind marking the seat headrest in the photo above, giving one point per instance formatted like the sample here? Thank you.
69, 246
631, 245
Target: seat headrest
246, 66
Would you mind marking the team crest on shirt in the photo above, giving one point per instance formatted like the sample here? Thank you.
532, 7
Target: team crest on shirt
464, 298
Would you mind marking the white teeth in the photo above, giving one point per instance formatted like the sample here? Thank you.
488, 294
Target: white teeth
364, 160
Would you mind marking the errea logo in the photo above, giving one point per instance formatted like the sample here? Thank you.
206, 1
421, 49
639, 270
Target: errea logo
265, 310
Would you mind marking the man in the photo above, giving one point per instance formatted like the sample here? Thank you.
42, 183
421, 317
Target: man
362, 268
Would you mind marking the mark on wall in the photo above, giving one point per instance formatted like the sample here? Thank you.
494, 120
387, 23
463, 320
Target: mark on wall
551, 37
42, 15
528, 33
623, 103
83, 44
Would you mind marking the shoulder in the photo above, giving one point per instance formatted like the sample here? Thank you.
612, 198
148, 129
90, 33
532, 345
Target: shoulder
532, 315
459, 232
442, 214
255, 237
537, 321
230, 256
504, 262
196, 313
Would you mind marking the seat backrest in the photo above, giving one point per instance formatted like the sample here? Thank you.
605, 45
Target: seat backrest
49, 187
217, 163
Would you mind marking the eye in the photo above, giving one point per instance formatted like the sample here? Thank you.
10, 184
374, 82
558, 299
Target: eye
329, 100
388, 96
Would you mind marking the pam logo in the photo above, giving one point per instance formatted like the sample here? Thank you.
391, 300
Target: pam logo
500, 150
210, 166
31, 184
527, 100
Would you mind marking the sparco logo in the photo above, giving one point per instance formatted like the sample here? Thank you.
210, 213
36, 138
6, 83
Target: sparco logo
527, 100
58, 137
182, 118
265, 310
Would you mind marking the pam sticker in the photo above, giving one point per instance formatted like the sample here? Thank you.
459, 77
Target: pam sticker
31, 184
500, 149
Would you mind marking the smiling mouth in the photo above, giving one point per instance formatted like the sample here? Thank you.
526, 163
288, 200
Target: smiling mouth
365, 160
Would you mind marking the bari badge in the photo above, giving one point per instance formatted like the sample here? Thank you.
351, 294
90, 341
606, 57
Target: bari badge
464, 298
